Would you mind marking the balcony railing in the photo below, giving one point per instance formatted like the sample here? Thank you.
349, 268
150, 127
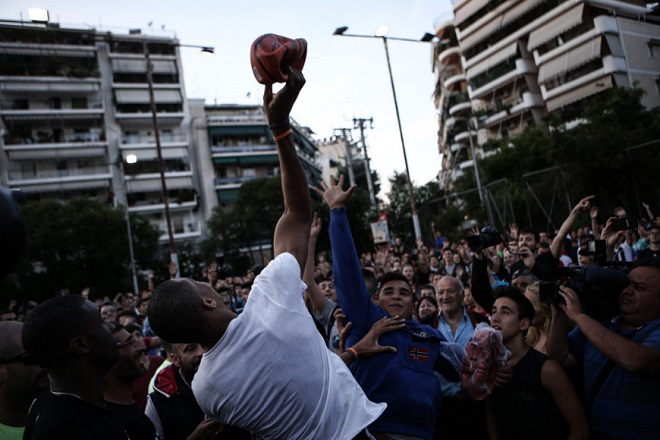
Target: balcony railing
55, 174
49, 138
164, 138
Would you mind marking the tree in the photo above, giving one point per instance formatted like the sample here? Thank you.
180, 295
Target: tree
77, 244
399, 215
607, 145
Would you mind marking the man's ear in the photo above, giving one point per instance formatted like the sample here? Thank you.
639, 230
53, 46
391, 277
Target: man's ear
78, 346
525, 324
209, 303
175, 360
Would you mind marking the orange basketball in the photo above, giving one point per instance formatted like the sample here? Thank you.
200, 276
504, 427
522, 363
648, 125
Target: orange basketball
271, 55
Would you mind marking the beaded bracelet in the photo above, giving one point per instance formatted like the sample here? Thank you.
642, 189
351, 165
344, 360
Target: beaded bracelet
353, 352
281, 136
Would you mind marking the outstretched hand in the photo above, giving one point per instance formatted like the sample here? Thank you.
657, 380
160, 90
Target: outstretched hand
278, 106
368, 345
334, 195
315, 230
583, 204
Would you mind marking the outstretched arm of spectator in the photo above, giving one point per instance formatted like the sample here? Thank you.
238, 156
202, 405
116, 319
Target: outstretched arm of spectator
313, 292
610, 236
292, 230
626, 353
351, 290
582, 206
481, 288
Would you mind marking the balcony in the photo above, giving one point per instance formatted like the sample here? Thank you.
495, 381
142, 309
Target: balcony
11, 110
453, 80
448, 54
157, 205
497, 81
56, 150
151, 182
55, 180
230, 182
183, 231
48, 85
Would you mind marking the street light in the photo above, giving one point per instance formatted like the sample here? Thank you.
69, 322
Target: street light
161, 162
381, 33
482, 197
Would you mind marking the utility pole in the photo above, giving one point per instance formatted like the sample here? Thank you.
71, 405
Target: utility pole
347, 139
359, 123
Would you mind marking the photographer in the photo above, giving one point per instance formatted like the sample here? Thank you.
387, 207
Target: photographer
620, 360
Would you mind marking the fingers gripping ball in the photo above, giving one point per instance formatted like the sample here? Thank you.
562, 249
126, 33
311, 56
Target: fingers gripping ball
271, 55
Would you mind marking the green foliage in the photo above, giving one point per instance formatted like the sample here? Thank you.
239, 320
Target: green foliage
399, 215
585, 150
77, 244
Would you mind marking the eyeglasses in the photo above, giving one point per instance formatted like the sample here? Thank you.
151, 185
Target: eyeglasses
127, 342
25, 358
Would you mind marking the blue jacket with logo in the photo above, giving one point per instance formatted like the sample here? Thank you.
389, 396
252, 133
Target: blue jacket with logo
405, 380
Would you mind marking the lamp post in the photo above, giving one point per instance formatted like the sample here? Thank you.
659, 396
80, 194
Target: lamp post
381, 33
482, 197
161, 162
359, 123
131, 158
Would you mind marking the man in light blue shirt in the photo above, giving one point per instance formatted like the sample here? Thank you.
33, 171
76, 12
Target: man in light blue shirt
461, 417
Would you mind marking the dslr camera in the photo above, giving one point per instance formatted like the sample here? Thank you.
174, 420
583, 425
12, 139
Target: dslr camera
488, 237
549, 293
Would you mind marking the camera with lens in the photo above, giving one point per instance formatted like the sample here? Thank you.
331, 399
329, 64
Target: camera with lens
488, 237
549, 293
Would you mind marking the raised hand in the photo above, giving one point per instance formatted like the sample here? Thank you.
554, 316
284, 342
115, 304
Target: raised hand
583, 204
315, 230
278, 106
334, 195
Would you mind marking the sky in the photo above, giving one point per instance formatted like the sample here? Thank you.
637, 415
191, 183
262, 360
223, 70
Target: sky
346, 77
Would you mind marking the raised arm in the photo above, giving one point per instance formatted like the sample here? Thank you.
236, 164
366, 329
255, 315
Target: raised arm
292, 230
313, 292
351, 290
565, 228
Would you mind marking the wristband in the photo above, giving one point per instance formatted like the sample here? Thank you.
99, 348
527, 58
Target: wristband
353, 353
281, 136
280, 125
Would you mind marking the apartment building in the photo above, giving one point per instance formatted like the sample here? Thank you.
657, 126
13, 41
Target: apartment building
76, 120
241, 148
503, 65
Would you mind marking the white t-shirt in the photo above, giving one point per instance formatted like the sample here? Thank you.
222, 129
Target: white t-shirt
272, 374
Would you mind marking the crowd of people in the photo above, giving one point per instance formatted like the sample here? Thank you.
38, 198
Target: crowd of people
338, 345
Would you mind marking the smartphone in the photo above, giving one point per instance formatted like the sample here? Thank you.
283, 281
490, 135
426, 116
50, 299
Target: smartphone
623, 224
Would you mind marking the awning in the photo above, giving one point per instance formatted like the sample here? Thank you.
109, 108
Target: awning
614, 44
556, 26
493, 60
140, 66
238, 130
152, 153
570, 60
251, 159
47, 50
579, 93
467, 9
142, 96
483, 32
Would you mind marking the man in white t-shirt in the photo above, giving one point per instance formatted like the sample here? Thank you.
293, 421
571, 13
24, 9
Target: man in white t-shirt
268, 370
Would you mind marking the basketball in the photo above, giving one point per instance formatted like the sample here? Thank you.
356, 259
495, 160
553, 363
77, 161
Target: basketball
271, 55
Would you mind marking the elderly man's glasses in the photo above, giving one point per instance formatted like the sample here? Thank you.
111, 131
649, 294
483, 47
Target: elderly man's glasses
23, 357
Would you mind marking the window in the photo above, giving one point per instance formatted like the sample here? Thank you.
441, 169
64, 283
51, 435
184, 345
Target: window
657, 84
79, 102
21, 104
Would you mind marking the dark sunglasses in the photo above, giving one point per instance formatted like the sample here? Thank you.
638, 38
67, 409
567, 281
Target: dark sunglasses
24, 358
